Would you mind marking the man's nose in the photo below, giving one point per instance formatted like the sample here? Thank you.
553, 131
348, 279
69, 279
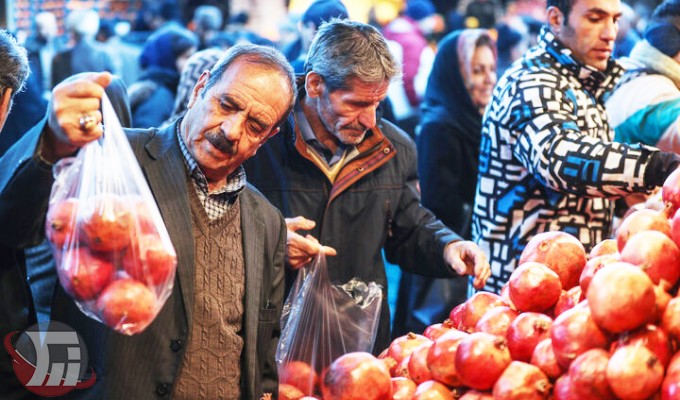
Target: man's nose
232, 127
610, 31
367, 117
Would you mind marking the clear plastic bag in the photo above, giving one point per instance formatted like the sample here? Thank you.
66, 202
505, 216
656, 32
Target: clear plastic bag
113, 253
322, 321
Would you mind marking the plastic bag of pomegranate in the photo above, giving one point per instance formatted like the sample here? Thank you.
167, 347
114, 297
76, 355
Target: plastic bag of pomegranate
321, 321
113, 253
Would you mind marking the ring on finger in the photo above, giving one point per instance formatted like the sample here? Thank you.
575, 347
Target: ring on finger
87, 122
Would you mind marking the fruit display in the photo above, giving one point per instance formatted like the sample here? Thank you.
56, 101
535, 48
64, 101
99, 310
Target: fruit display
112, 258
568, 325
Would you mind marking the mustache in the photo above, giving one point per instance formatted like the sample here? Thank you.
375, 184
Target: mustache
220, 142
355, 127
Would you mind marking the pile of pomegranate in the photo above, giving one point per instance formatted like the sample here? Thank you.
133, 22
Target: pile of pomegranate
111, 258
568, 325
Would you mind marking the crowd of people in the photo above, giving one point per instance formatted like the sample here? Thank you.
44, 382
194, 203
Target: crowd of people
441, 144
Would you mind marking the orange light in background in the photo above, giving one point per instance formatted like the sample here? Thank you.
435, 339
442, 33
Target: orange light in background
385, 10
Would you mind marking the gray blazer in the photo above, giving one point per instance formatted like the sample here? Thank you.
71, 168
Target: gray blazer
146, 365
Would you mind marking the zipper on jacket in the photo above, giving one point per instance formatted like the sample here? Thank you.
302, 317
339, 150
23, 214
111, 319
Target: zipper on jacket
388, 221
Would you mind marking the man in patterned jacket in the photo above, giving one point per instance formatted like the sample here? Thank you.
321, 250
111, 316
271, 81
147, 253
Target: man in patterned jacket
547, 160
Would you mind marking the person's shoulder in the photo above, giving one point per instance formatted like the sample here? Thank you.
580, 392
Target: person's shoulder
396, 135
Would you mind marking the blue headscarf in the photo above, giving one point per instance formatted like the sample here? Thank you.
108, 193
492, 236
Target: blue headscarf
166, 45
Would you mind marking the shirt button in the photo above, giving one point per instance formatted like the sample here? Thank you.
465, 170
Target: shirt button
163, 389
386, 150
176, 345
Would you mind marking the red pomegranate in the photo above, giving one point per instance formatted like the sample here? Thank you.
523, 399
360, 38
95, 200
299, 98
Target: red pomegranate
561, 252
544, 358
403, 346
675, 228
356, 376
127, 306
670, 192
61, 219
496, 321
84, 275
106, 222
656, 254
588, 376
418, 369
650, 336
662, 300
574, 332
403, 388
434, 331
641, 220
476, 395
475, 307
607, 246
634, 372
563, 390
289, 392
670, 321
149, 260
621, 297
522, 381
525, 332
432, 390
534, 287
670, 387
299, 374
568, 299
441, 357
142, 215
480, 359
592, 266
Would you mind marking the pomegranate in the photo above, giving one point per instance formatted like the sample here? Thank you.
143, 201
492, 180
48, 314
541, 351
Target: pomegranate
670, 191
563, 390
299, 374
534, 287
574, 332
662, 300
592, 266
401, 369
670, 320
656, 254
84, 275
544, 358
561, 252
441, 357
476, 395
289, 392
475, 307
634, 372
650, 336
434, 331
522, 381
607, 246
106, 223
456, 316
127, 306
432, 390
143, 216
149, 260
675, 228
61, 218
403, 388
418, 369
587, 374
403, 346
525, 332
505, 296
480, 359
621, 297
568, 299
496, 321
670, 387
356, 376
642, 220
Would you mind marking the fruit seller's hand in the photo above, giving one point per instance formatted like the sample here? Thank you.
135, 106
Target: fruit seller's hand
74, 115
301, 249
466, 258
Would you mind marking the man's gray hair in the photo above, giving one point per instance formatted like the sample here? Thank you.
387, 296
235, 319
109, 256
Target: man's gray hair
83, 23
344, 49
14, 67
260, 55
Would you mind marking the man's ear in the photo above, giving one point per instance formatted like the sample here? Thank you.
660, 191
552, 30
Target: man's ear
555, 19
198, 88
5, 105
314, 84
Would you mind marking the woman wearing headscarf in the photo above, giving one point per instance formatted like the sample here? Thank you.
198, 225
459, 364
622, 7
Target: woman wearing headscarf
458, 90
152, 97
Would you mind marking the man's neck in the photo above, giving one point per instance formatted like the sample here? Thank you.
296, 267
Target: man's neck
318, 128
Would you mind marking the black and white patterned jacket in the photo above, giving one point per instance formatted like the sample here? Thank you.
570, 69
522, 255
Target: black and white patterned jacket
547, 162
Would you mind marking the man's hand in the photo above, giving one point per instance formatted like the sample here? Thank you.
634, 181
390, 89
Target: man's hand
74, 101
301, 249
466, 258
